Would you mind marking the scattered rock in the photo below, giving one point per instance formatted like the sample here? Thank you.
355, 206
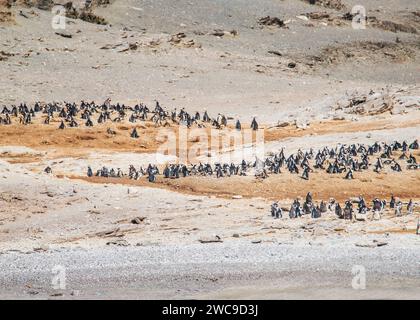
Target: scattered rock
6, 15
332, 4
318, 15
222, 33
373, 244
138, 220
42, 248
360, 217
118, 242
58, 294
280, 125
75, 293
64, 34
271, 21
210, 239
132, 46
391, 26
365, 245
110, 233
33, 292
84, 14
380, 243
22, 14
302, 17
5, 55
176, 38
180, 40
277, 53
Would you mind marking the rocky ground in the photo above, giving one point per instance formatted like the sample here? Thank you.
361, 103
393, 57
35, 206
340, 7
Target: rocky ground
194, 237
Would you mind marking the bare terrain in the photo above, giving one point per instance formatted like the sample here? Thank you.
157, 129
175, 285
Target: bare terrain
308, 77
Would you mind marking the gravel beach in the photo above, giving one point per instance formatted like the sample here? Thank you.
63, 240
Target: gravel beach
215, 271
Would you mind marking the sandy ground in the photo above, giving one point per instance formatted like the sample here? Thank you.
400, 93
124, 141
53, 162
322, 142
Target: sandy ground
86, 225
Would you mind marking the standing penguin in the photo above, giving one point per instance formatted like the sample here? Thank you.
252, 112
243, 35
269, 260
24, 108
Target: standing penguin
134, 134
398, 209
349, 175
89, 172
410, 207
274, 207
254, 124
278, 213
418, 226
238, 125
305, 173
392, 202
152, 177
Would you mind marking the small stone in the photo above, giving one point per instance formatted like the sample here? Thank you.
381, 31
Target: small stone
210, 239
138, 220
64, 34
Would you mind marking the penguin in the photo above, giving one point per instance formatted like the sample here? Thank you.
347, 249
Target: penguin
152, 178
392, 202
315, 213
254, 124
414, 145
238, 125
274, 207
279, 213
89, 122
398, 209
349, 175
305, 173
134, 133
410, 207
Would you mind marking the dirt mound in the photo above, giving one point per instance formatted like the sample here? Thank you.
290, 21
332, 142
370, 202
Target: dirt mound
6, 15
74, 10
406, 26
375, 103
83, 13
40, 4
408, 23
331, 4
365, 51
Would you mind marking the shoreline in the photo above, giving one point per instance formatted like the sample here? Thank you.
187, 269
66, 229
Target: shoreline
213, 271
